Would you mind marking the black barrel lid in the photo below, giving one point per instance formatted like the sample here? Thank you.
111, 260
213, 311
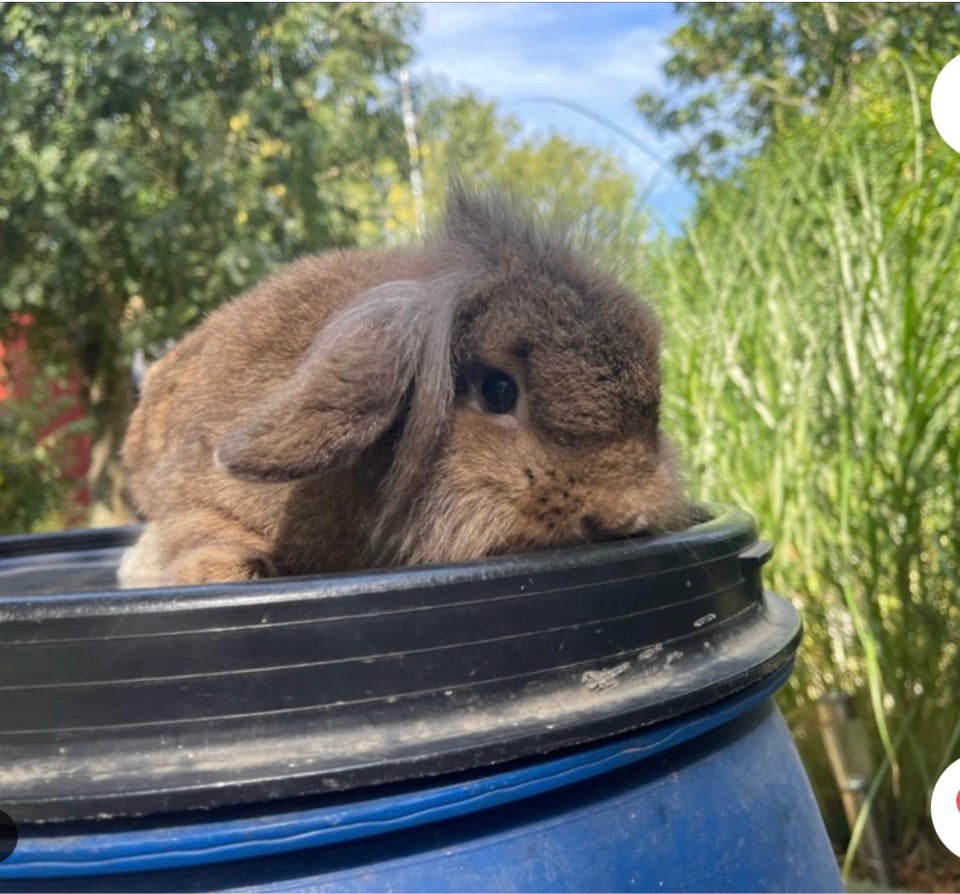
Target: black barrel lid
123, 703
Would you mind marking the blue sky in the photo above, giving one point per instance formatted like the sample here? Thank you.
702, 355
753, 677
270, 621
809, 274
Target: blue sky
595, 55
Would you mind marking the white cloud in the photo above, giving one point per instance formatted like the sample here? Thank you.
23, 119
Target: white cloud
598, 56
508, 50
454, 20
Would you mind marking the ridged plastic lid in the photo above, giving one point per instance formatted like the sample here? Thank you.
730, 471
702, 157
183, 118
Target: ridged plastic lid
131, 702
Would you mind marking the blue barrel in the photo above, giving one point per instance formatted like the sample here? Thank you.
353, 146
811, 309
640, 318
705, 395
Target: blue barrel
596, 718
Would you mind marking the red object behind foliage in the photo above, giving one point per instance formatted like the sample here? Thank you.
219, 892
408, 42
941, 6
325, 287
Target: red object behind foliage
65, 406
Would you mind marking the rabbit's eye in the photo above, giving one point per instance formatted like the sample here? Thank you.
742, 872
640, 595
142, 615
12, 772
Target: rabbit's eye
499, 392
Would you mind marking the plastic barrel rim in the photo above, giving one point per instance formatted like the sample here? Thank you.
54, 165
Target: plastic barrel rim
123, 703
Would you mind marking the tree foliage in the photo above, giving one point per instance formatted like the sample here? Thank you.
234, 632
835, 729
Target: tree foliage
739, 72
159, 157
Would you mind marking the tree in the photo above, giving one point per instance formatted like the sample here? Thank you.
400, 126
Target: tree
741, 71
159, 157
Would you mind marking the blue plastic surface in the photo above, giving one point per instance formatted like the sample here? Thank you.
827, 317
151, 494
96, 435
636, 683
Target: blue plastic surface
716, 800
738, 818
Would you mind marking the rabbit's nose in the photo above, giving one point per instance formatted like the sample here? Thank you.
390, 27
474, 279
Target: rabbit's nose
596, 528
593, 528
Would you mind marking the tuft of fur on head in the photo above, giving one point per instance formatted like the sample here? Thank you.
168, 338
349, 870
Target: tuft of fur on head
484, 231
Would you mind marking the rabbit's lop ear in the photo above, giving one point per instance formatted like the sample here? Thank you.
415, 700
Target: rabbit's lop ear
350, 387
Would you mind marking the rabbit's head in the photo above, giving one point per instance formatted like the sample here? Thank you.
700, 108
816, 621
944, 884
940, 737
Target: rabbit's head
509, 399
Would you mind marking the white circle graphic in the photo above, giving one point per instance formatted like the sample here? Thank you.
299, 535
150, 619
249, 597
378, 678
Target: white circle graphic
945, 807
945, 103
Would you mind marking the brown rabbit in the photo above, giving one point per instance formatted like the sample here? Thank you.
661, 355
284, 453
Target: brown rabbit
489, 393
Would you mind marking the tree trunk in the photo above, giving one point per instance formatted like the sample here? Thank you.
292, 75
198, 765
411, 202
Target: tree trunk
110, 402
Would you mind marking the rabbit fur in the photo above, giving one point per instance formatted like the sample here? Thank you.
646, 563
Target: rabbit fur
338, 415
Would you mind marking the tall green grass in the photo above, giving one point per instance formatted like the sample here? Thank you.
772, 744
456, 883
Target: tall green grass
812, 375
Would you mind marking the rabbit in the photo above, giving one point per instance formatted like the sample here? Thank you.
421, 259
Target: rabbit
488, 393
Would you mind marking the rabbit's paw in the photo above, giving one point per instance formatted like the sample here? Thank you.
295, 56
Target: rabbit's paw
223, 563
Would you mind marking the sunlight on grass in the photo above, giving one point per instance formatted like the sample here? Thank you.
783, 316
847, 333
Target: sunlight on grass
812, 371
